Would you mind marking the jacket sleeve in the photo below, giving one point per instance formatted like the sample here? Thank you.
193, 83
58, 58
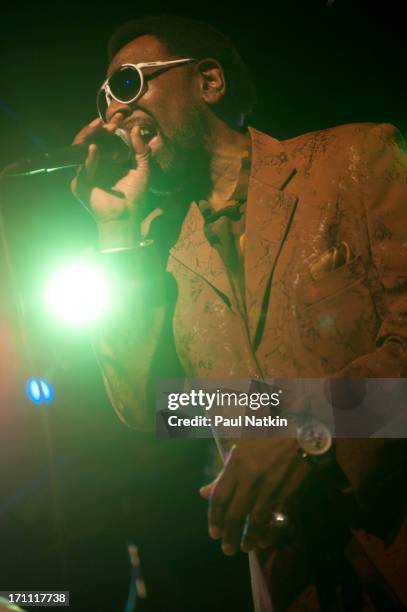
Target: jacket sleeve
377, 467
383, 184
134, 346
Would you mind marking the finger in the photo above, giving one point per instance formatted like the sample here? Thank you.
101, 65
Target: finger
219, 501
91, 163
284, 505
260, 515
88, 131
81, 185
114, 122
96, 127
272, 499
141, 149
235, 517
78, 186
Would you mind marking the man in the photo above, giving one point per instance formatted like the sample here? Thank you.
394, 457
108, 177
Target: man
238, 256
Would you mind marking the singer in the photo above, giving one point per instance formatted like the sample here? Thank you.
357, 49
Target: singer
257, 259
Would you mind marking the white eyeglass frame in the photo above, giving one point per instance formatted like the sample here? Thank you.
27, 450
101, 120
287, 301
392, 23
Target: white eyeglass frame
105, 87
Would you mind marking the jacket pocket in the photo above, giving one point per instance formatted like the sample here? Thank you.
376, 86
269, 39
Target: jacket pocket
338, 319
332, 283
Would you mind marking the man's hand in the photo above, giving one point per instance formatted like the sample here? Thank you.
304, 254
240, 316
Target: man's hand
259, 477
112, 193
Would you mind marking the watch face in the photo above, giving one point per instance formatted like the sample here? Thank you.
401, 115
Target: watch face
314, 437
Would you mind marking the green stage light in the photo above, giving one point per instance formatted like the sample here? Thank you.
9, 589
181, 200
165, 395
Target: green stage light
78, 294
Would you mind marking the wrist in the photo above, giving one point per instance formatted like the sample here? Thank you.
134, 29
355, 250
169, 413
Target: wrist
117, 234
135, 271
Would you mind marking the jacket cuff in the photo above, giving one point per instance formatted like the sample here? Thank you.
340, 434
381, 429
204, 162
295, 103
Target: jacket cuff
117, 234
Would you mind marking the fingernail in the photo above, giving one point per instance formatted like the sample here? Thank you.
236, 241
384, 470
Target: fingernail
228, 549
214, 532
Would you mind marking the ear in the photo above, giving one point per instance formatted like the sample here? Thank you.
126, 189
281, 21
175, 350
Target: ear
212, 80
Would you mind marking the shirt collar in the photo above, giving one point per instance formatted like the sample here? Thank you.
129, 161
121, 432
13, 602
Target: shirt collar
233, 206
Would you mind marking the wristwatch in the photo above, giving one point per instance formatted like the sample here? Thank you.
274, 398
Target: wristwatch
315, 442
314, 437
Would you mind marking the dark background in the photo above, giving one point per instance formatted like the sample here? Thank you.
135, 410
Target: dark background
74, 482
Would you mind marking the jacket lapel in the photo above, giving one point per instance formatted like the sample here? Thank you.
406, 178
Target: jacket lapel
268, 214
195, 252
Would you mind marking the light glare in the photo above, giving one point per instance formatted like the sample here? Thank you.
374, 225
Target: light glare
33, 390
46, 389
77, 294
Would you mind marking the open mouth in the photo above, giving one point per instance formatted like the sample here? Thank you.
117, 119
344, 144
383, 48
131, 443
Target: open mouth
147, 132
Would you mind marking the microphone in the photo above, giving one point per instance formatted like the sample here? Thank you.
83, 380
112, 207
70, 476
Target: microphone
116, 147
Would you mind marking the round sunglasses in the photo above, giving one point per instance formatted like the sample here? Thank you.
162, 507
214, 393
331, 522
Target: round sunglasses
127, 83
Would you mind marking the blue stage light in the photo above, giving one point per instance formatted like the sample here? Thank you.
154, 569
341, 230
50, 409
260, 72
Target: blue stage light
47, 390
39, 391
33, 391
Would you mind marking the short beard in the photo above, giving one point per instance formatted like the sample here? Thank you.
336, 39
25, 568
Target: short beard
184, 163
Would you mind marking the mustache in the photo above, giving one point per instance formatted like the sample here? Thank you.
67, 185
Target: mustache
129, 123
